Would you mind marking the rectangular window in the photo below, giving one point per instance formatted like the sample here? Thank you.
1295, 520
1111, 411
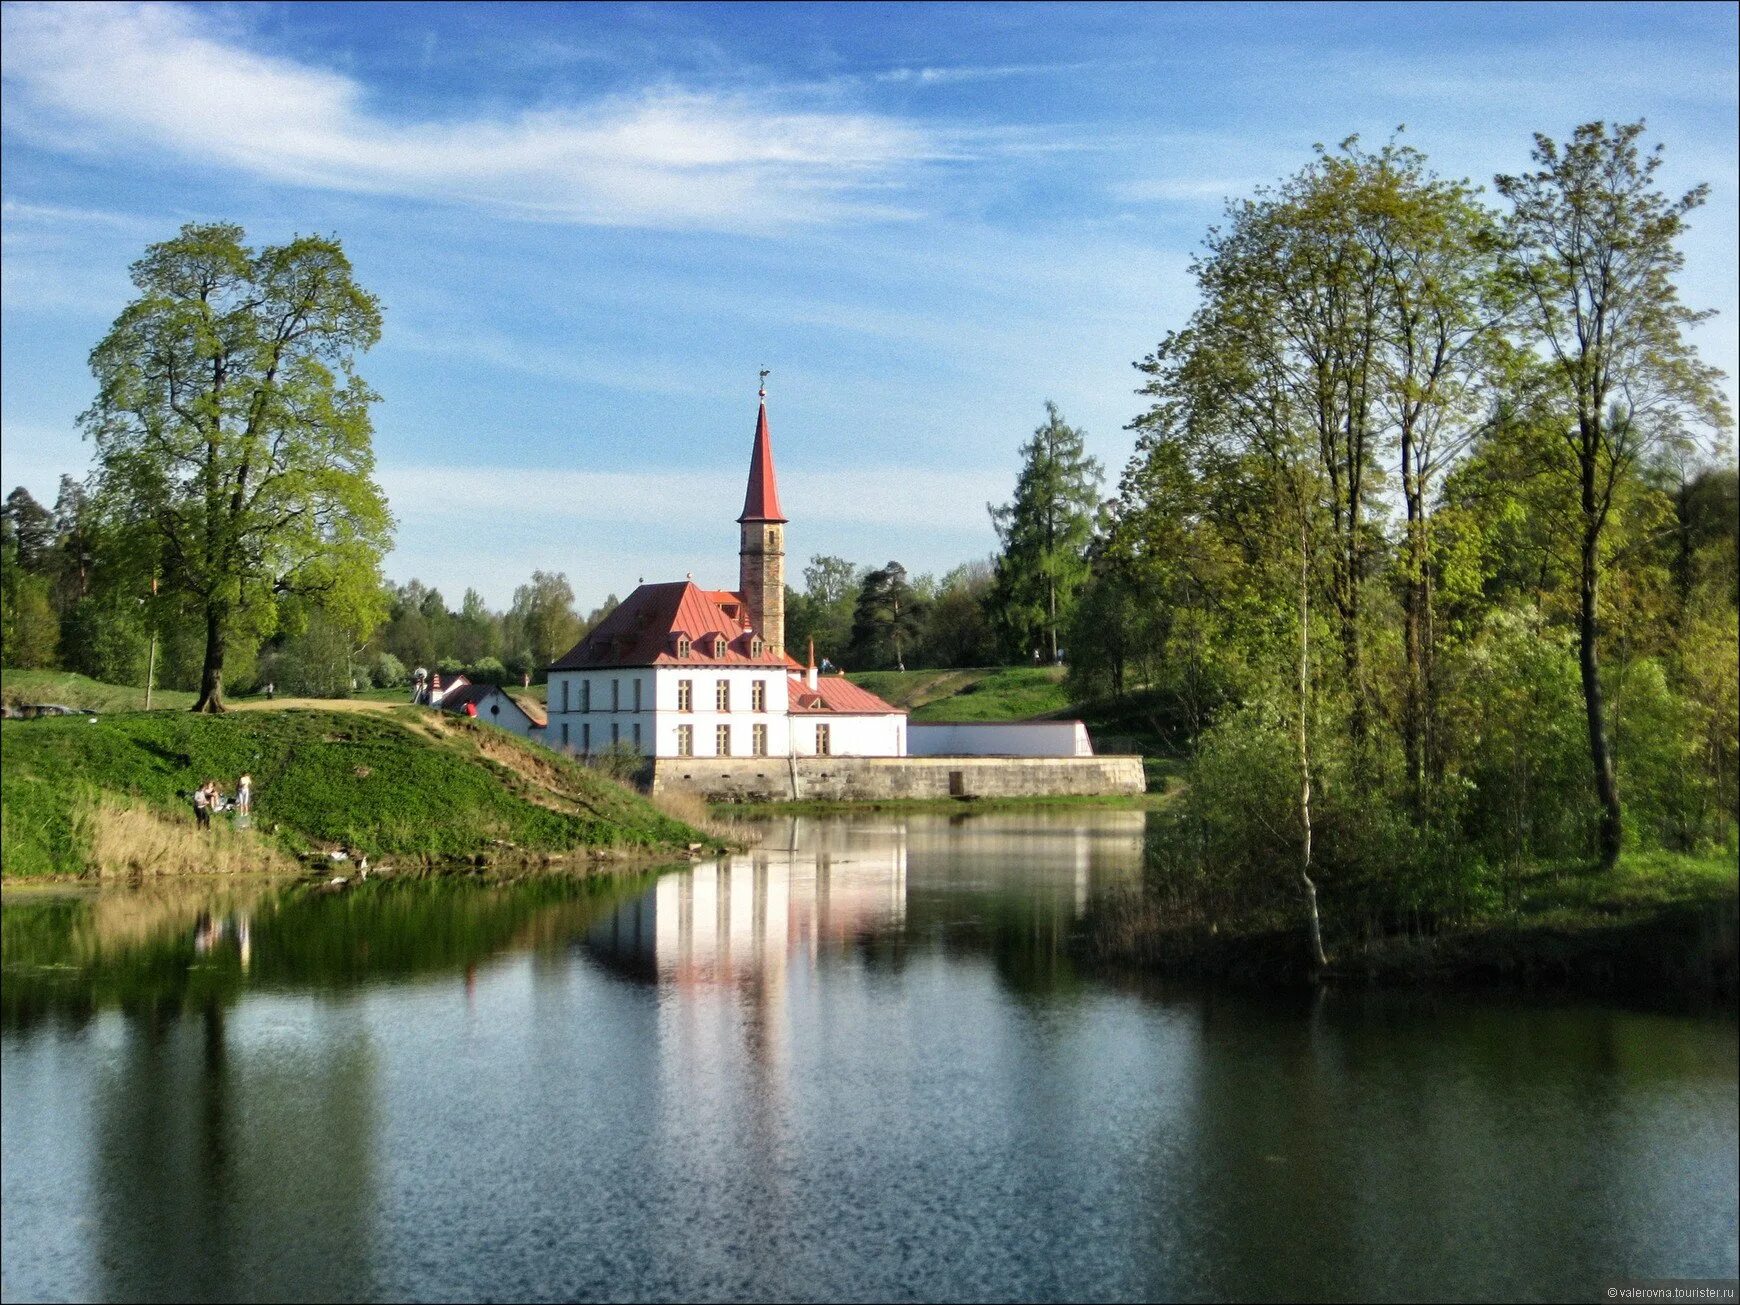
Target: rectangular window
564, 736
637, 737
722, 695
758, 696
616, 695
685, 740
759, 740
585, 695
585, 737
615, 734
722, 741
685, 697
637, 696
824, 741
564, 693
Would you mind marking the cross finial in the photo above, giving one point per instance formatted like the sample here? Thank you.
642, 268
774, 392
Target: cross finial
764, 382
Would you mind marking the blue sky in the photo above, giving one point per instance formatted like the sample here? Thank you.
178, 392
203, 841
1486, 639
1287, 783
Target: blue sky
591, 225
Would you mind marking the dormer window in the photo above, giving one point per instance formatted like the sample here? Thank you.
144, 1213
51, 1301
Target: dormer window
755, 646
682, 645
718, 645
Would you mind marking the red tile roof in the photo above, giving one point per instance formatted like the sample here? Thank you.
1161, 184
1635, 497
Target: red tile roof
644, 628
761, 502
837, 695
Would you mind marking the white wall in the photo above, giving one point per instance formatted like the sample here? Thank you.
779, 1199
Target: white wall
850, 736
1040, 738
509, 717
658, 717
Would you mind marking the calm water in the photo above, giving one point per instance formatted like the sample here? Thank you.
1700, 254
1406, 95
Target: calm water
858, 1063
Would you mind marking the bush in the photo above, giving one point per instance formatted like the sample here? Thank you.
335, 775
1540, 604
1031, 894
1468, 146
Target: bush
488, 670
389, 672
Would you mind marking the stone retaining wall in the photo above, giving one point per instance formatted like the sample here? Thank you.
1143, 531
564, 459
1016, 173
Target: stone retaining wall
869, 779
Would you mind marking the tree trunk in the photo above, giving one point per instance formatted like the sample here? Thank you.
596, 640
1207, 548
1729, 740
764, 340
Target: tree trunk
1317, 958
1414, 632
1606, 785
211, 678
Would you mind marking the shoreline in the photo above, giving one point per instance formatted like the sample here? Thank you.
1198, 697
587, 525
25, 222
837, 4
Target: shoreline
951, 805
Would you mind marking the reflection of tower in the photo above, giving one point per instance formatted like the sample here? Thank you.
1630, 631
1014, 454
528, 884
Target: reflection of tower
761, 552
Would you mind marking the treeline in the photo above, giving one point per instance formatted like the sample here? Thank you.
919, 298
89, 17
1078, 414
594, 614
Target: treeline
72, 598
1427, 551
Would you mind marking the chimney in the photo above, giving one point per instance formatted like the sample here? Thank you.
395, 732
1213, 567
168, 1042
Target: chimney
810, 675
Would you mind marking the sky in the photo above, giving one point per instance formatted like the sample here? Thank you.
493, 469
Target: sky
592, 225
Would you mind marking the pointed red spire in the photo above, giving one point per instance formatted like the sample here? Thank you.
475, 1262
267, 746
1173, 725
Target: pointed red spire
761, 503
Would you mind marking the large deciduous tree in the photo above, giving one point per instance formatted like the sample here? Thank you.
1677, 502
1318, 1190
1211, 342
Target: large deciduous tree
1592, 248
1044, 531
231, 425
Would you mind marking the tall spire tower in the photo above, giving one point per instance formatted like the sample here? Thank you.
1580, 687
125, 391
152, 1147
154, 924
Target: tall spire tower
761, 556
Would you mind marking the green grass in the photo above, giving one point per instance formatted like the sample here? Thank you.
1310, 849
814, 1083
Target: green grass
984, 694
70, 690
1642, 884
399, 783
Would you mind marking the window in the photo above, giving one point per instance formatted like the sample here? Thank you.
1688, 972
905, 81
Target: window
682, 645
722, 741
718, 645
564, 736
564, 693
616, 695
615, 734
824, 742
685, 696
685, 740
637, 737
637, 696
755, 646
722, 695
758, 696
585, 694
585, 738
758, 742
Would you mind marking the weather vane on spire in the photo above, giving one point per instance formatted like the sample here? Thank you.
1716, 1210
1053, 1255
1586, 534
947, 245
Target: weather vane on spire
764, 382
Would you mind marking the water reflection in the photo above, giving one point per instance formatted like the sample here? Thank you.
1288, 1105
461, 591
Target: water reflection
858, 1061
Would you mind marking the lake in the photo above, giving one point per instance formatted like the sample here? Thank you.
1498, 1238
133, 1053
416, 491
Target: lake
859, 1062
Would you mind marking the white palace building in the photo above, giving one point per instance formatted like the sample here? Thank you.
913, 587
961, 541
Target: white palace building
681, 671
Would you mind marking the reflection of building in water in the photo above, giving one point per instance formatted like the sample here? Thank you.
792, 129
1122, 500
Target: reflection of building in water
741, 917
814, 886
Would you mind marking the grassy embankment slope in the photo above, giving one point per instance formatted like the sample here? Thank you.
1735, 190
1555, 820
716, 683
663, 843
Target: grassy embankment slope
81, 795
981, 694
66, 689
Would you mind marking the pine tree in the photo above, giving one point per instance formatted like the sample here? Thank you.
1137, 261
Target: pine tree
1045, 532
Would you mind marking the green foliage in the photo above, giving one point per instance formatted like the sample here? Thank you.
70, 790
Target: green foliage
232, 433
887, 618
543, 617
385, 785
389, 672
1044, 532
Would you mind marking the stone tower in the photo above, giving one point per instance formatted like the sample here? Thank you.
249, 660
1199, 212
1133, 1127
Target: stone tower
761, 557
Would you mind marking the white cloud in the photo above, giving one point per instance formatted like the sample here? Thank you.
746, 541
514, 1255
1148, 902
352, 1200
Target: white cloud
162, 77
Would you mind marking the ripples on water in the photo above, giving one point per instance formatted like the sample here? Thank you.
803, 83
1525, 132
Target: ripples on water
858, 1063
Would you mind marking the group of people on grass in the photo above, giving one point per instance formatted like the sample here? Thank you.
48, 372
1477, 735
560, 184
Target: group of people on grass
208, 798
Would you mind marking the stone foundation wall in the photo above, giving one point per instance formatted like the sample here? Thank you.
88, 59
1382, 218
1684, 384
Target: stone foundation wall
869, 779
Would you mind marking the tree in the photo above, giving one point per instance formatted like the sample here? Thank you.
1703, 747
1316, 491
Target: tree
30, 529
543, 613
888, 617
230, 423
823, 611
1044, 531
1592, 249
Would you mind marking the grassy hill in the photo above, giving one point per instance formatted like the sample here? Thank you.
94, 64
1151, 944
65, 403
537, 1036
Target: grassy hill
81, 795
980, 694
70, 690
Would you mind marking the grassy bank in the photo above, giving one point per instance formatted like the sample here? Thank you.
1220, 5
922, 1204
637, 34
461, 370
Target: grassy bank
1659, 926
982, 694
69, 690
81, 795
